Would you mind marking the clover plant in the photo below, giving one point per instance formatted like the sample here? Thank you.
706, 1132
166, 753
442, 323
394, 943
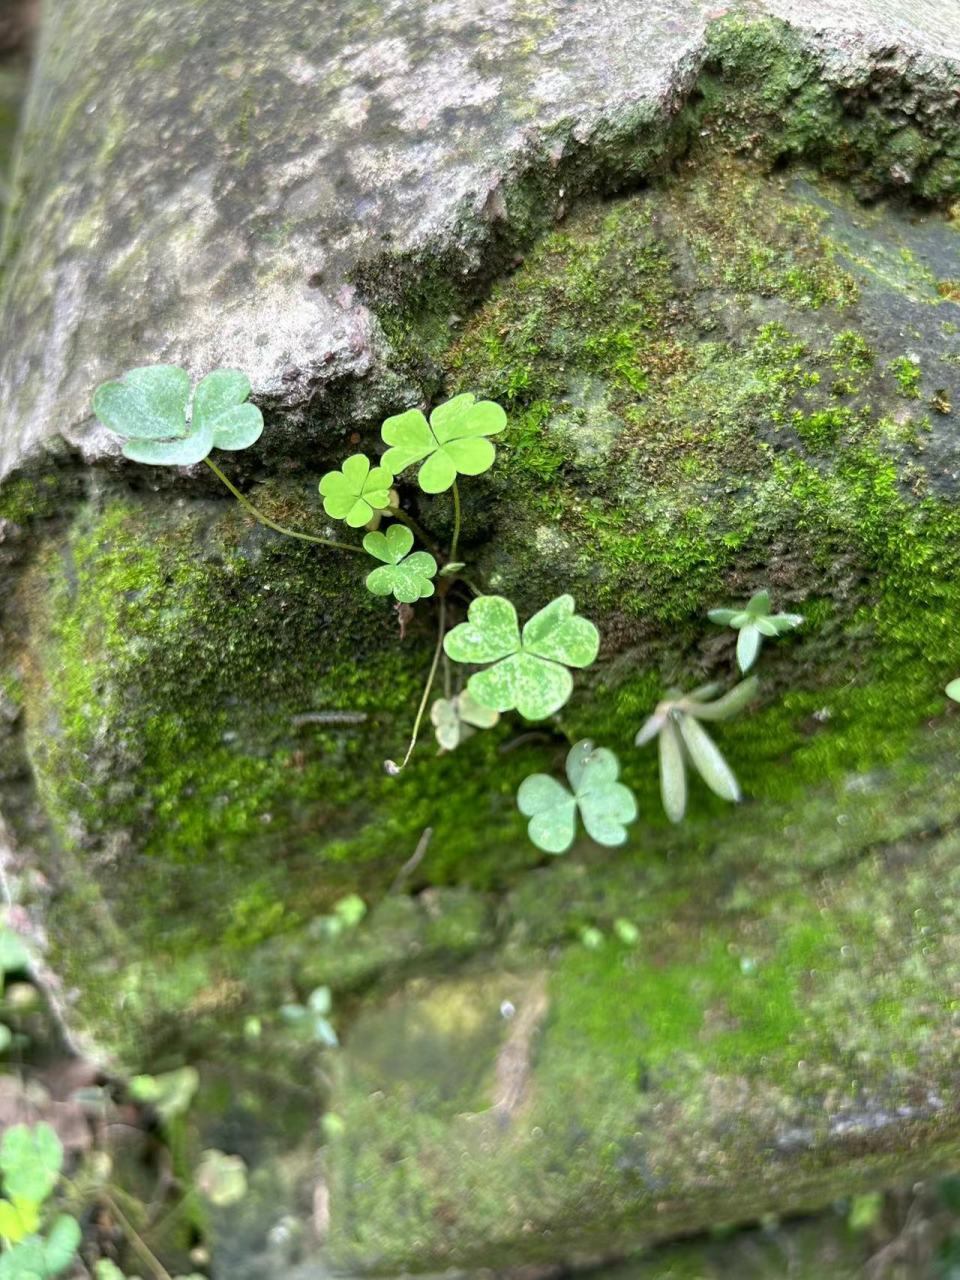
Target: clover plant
527, 669
31, 1160
605, 805
311, 1020
404, 576
953, 690
753, 622
456, 719
682, 738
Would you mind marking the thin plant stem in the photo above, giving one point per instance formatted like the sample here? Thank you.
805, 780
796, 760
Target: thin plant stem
139, 1246
456, 522
427, 687
272, 524
420, 532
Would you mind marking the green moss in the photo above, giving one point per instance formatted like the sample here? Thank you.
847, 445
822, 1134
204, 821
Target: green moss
908, 376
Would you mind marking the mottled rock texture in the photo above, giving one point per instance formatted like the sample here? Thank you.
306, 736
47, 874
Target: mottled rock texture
742, 371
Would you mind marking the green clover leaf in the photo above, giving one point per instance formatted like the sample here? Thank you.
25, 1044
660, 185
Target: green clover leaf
455, 719
753, 623
953, 690
529, 672
605, 805
220, 1178
31, 1157
170, 1094
404, 576
355, 491
682, 739
148, 409
453, 442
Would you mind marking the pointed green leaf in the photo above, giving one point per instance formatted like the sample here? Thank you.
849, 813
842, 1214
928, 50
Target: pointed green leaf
147, 404
673, 773
765, 626
723, 708
748, 646
723, 617
759, 604
708, 761
786, 621
651, 727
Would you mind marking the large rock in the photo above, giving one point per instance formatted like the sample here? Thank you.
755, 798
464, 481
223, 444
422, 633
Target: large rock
737, 377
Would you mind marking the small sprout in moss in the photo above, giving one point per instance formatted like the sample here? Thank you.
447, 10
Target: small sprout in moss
221, 1179
591, 937
311, 1020
627, 932
906, 371
406, 577
676, 722
148, 409
605, 805
455, 719
356, 492
529, 671
953, 690
754, 622
454, 442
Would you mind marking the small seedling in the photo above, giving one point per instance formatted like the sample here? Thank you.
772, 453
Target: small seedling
529, 671
605, 805
311, 1020
456, 719
682, 738
753, 623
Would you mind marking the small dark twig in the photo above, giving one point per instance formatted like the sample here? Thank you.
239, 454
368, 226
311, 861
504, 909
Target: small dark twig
414, 860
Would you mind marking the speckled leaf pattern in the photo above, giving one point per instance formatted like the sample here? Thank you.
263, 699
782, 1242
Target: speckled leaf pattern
452, 443
220, 403
355, 491
406, 577
606, 805
148, 409
530, 671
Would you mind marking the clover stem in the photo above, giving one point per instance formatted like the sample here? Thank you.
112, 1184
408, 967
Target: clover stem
421, 534
456, 522
145, 1255
429, 685
272, 524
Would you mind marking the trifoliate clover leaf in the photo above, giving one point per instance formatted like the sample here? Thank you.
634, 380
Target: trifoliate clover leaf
454, 442
311, 1020
455, 719
356, 491
754, 622
605, 805
31, 1157
405, 577
529, 671
221, 1179
682, 739
148, 409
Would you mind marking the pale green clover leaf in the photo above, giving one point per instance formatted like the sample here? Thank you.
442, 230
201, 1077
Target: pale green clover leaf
31, 1157
356, 491
753, 622
683, 739
148, 408
170, 1094
605, 805
311, 1019
221, 1179
454, 442
405, 577
455, 719
953, 690
529, 671
14, 955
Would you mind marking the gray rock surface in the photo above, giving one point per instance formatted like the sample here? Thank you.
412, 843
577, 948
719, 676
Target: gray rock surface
202, 186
